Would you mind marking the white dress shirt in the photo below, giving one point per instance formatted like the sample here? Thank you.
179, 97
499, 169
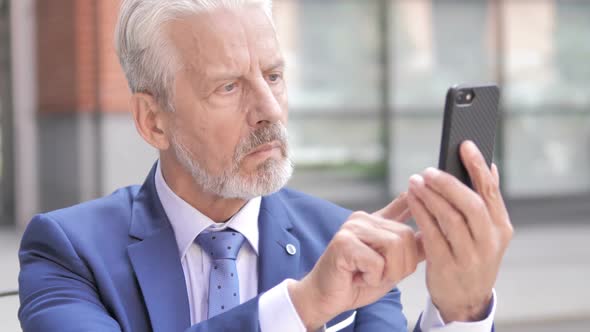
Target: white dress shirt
275, 306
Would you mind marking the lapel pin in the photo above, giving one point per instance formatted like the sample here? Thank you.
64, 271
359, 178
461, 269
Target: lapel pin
291, 250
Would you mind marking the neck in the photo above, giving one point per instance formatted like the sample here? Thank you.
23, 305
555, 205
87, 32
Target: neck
217, 208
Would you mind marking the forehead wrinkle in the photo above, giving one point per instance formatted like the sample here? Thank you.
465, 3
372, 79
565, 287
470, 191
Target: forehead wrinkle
230, 47
233, 62
226, 44
186, 43
263, 42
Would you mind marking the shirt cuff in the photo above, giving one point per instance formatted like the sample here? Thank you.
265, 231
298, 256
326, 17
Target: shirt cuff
277, 312
432, 321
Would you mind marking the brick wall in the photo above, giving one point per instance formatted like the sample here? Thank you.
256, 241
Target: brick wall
78, 70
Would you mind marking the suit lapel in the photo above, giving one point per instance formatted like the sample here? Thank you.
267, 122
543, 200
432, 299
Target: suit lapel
158, 268
275, 263
156, 262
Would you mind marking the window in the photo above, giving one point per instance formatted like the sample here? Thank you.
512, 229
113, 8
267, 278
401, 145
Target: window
547, 98
334, 76
341, 91
435, 44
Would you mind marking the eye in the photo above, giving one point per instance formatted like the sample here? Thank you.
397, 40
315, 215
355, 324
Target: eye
228, 88
275, 77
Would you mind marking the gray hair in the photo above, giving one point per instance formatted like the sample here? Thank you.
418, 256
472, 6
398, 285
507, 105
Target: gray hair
143, 51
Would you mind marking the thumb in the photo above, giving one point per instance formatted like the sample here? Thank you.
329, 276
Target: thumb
395, 210
496, 174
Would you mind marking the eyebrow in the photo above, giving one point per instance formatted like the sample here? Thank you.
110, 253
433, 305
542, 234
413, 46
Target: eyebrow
218, 74
280, 63
221, 75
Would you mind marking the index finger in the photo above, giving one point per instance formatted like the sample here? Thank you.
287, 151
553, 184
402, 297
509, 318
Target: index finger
396, 210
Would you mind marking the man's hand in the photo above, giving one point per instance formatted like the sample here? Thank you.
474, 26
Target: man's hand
464, 234
366, 258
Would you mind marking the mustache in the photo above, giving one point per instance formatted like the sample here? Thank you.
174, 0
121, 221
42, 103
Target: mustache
263, 135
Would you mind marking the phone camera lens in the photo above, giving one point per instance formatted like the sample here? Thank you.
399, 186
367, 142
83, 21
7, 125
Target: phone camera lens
460, 97
464, 97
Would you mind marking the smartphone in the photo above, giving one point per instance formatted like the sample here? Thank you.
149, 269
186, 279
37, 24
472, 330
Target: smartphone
471, 113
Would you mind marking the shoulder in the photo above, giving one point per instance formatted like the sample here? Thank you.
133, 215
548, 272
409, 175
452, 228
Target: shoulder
102, 218
91, 233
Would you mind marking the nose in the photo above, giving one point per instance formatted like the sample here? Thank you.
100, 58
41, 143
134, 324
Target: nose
264, 107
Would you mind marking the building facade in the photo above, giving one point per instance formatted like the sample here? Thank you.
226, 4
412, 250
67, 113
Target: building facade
367, 81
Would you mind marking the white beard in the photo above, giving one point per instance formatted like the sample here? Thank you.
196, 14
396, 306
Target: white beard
269, 177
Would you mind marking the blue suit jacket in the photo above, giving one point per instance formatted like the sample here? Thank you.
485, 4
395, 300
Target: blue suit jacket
112, 264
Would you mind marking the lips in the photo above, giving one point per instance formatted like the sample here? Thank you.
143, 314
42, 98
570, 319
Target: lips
266, 147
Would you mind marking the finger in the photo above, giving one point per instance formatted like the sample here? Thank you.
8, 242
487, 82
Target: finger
405, 216
501, 212
375, 232
370, 264
405, 244
481, 176
414, 254
496, 174
435, 245
485, 182
469, 203
394, 241
450, 221
394, 209
420, 246
474, 162
357, 258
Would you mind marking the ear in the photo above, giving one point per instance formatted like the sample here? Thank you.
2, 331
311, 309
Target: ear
151, 121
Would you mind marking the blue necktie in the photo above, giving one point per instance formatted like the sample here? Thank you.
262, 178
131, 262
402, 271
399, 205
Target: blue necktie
224, 288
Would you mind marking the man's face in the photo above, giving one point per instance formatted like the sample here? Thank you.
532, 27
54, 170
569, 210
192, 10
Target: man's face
228, 128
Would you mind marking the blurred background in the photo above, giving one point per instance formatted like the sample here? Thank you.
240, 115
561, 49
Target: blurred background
367, 81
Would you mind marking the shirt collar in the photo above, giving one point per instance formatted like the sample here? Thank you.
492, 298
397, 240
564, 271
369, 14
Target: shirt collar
188, 222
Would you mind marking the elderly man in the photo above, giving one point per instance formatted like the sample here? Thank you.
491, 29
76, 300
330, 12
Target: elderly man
213, 242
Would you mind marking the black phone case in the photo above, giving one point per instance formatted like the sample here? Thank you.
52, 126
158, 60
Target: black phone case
475, 122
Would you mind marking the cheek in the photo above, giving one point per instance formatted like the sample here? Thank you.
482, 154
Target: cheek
222, 134
192, 132
223, 103
225, 142
208, 126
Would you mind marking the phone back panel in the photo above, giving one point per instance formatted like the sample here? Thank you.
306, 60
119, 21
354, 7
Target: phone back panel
475, 122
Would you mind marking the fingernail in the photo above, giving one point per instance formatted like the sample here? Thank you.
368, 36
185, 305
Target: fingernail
471, 145
431, 173
416, 180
